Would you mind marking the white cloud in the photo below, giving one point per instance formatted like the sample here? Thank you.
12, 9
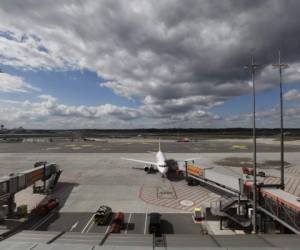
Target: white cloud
292, 95
161, 43
11, 83
49, 113
178, 58
49, 106
178, 106
266, 118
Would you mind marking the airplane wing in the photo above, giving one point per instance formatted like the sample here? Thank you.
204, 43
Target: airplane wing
191, 159
140, 161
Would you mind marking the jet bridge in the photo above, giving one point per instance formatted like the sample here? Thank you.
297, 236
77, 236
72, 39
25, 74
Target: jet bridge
15, 182
275, 203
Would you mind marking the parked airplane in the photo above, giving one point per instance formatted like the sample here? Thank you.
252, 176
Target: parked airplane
159, 165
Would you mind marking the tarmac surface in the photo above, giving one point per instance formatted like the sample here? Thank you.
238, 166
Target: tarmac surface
134, 223
143, 146
93, 179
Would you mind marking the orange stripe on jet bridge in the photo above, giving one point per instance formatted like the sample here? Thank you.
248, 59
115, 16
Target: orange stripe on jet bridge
279, 199
195, 170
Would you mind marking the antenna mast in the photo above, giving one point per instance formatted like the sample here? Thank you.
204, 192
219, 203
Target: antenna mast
252, 67
281, 66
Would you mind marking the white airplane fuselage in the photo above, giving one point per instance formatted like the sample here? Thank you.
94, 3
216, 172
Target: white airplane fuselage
161, 163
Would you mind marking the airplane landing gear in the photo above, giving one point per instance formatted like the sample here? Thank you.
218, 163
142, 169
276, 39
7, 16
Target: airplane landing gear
149, 170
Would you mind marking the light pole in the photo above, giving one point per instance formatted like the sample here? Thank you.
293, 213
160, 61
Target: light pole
252, 67
281, 66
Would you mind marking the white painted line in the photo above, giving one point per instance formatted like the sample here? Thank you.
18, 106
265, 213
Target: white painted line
86, 226
106, 231
32, 247
129, 218
38, 224
74, 226
146, 218
89, 228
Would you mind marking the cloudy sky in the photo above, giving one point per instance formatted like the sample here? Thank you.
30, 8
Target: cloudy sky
139, 64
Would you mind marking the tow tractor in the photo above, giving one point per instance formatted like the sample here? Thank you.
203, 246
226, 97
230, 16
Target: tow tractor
199, 218
102, 215
198, 215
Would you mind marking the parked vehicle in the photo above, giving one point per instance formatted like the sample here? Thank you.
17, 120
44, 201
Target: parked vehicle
117, 223
102, 215
45, 208
155, 224
198, 214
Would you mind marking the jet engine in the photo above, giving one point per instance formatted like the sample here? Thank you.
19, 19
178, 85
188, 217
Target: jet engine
149, 170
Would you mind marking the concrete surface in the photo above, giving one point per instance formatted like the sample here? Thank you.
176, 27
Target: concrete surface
89, 180
144, 146
134, 223
36, 240
92, 179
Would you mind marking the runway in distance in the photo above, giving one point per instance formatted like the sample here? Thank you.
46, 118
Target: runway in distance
159, 165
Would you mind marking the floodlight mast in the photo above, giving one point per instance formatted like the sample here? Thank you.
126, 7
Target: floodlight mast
280, 66
252, 67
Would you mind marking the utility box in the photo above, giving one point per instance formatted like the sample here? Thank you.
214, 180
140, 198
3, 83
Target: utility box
22, 210
3, 212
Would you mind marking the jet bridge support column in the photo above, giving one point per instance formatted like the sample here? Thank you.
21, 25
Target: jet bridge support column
44, 179
11, 204
239, 204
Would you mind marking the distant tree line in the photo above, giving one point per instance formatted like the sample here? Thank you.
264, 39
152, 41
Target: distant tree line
174, 132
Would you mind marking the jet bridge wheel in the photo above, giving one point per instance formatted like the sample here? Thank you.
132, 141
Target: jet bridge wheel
191, 182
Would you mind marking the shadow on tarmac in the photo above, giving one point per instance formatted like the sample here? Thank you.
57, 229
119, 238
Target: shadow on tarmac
166, 227
63, 190
171, 176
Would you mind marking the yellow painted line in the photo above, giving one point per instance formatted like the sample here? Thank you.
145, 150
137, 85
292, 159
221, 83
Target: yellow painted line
76, 148
54, 148
239, 147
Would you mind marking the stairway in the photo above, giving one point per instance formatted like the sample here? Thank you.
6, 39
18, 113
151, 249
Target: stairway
222, 208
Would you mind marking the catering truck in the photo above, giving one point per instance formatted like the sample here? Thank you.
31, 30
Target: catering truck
220, 177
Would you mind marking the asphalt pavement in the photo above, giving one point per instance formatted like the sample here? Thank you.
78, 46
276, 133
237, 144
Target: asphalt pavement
203, 146
134, 223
